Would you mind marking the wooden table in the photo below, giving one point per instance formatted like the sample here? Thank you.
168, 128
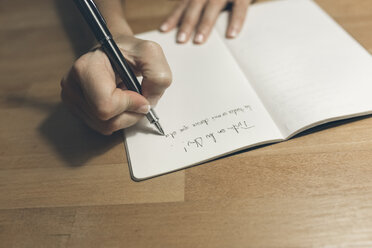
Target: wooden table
63, 185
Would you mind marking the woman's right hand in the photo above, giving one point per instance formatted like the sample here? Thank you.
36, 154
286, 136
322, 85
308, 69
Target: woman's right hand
94, 93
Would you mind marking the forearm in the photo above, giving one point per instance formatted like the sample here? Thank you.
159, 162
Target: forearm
112, 10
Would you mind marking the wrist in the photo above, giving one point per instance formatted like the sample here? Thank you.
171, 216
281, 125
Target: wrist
112, 10
119, 28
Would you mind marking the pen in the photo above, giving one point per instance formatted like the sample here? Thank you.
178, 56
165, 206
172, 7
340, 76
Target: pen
98, 26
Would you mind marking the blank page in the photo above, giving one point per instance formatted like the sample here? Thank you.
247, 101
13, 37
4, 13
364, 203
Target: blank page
303, 65
209, 110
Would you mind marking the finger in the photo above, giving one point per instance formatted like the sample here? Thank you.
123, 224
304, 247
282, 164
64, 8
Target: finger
156, 72
98, 83
238, 15
208, 20
189, 20
119, 122
172, 21
126, 100
75, 97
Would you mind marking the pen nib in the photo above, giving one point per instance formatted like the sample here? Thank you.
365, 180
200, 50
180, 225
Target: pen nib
161, 131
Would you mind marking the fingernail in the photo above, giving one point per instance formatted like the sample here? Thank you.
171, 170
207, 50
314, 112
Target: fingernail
143, 110
233, 33
181, 37
199, 38
164, 27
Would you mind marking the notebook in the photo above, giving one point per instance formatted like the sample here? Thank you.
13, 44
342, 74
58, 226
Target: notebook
291, 68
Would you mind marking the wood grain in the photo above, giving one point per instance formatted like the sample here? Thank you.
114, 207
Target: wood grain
63, 185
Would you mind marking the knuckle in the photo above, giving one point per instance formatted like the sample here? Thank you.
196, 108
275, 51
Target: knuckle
163, 79
205, 25
150, 47
187, 23
79, 66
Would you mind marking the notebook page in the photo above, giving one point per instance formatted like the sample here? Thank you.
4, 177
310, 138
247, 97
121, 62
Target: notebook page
209, 110
304, 66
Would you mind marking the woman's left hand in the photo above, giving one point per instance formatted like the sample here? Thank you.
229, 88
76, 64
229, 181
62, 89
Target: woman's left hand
201, 15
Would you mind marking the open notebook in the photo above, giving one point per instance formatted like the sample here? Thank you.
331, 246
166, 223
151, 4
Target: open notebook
291, 68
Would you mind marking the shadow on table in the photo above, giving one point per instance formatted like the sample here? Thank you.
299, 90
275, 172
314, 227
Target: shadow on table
73, 141
70, 138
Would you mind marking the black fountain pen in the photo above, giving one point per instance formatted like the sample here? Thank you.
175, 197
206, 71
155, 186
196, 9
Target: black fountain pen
98, 25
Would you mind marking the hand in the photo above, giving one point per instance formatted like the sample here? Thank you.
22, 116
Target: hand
201, 15
94, 93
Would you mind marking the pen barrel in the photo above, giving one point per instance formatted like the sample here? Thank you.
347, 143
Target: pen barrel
98, 26
121, 66
94, 19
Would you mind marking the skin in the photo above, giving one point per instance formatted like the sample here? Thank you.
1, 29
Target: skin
93, 92
199, 17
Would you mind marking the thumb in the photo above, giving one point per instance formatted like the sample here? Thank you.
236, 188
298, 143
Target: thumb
98, 84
